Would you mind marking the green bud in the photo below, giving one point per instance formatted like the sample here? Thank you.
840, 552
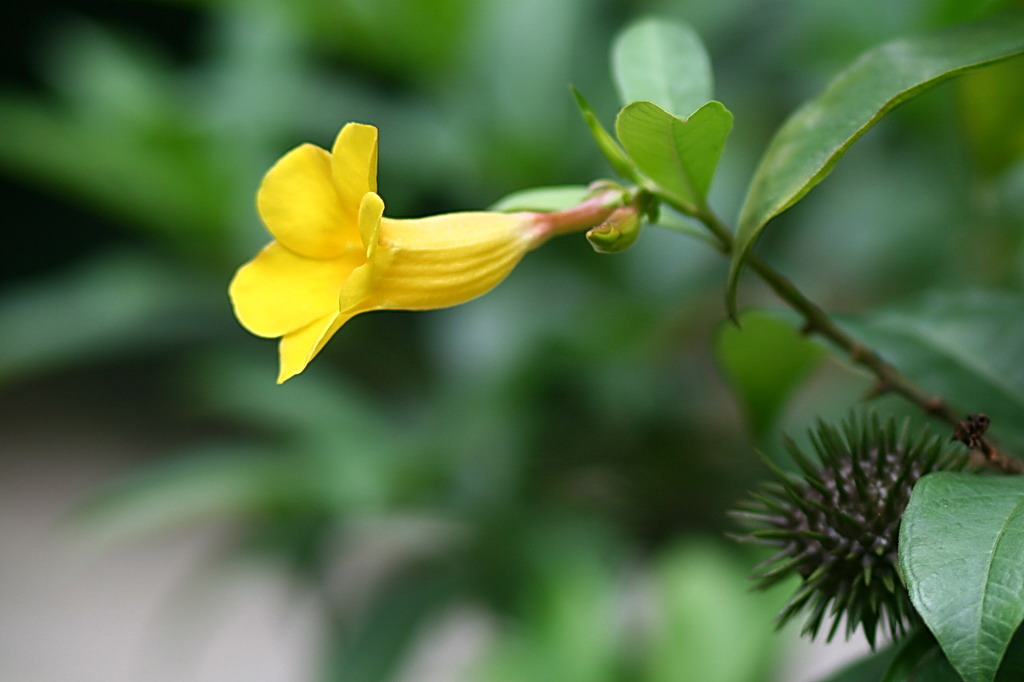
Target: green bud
618, 232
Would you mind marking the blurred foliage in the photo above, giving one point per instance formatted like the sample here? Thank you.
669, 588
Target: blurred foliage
545, 465
764, 388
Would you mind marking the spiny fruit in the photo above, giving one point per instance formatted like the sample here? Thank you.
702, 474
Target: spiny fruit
836, 524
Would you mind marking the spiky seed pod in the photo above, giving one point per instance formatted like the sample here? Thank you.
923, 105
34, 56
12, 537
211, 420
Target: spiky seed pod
836, 525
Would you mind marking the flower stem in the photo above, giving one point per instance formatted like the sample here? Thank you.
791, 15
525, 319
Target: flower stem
583, 216
817, 321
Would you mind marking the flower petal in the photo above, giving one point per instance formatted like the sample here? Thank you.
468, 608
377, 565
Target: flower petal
298, 348
354, 166
300, 207
279, 291
438, 261
371, 210
356, 292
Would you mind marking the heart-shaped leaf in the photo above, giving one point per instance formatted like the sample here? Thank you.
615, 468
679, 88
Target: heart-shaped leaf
663, 62
962, 554
678, 156
812, 140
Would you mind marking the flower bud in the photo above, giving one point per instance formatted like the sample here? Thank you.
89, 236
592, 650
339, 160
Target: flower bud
618, 232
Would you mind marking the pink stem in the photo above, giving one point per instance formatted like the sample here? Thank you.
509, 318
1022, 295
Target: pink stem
590, 213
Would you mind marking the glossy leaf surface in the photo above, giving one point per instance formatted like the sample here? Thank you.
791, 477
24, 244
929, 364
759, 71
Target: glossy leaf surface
813, 139
962, 554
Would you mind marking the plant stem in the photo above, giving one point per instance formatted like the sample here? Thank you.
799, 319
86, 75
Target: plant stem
889, 379
584, 216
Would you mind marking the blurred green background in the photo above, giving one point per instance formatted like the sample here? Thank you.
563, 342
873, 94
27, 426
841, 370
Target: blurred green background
531, 486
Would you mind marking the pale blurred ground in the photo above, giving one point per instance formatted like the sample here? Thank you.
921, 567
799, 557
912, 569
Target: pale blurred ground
77, 605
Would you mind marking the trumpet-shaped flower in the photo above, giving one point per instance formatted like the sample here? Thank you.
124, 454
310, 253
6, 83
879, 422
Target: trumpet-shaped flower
334, 255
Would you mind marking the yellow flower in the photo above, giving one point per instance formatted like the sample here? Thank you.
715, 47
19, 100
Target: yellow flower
334, 255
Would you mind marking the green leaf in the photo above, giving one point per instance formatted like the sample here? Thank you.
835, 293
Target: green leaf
158, 184
203, 484
111, 306
991, 102
662, 62
967, 347
812, 140
543, 199
605, 142
764, 358
706, 626
406, 604
920, 658
1012, 668
871, 668
678, 156
565, 629
932, 666
962, 554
